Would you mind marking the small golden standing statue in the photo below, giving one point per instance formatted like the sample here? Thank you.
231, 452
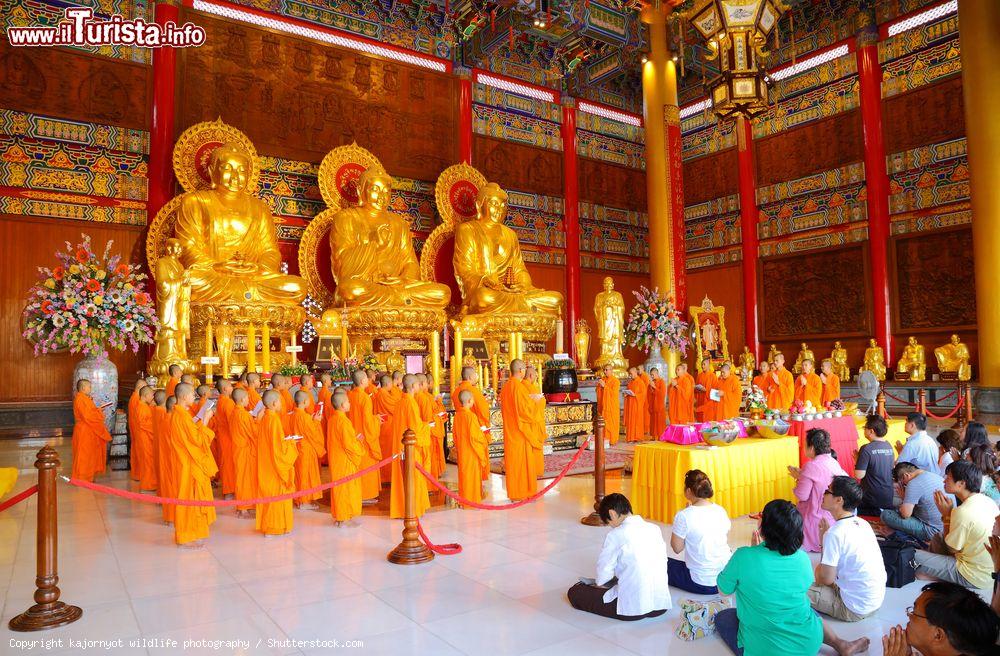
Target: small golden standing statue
839, 358
805, 353
609, 308
747, 363
912, 364
173, 301
773, 352
581, 336
395, 361
953, 358
874, 360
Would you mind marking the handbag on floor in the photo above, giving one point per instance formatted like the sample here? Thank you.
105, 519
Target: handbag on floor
698, 617
899, 557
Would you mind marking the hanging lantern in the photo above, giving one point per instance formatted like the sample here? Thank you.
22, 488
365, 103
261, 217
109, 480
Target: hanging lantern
736, 32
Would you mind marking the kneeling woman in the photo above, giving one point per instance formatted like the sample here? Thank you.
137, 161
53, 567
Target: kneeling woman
701, 531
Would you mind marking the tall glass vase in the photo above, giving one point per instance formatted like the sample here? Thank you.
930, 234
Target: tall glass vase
103, 376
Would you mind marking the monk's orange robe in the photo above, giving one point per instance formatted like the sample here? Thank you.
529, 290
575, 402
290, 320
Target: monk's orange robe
407, 416
809, 388
635, 407
706, 379
780, 393
609, 405
134, 448
90, 436
480, 408
287, 408
275, 475
253, 398
148, 479
224, 438
166, 469
346, 451
761, 381
195, 469
647, 415
171, 386
521, 442
243, 431
310, 402
311, 448
831, 388
657, 408
425, 403
365, 422
538, 421
728, 407
385, 405
682, 399
438, 433
473, 454
326, 398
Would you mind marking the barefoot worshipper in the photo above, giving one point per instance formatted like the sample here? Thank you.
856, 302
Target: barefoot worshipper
347, 448
191, 440
521, 444
311, 445
276, 455
362, 415
472, 445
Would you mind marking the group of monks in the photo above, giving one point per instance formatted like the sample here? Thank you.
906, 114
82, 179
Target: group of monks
782, 388
645, 414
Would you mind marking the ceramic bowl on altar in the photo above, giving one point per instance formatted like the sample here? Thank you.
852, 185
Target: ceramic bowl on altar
838, 413
828, 414
720, 434
809, 416
795, 417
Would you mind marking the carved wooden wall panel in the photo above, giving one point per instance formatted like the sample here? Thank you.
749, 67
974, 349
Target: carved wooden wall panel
935, 280
814, 147
815, 294
710, 177
74, 85
927, 115
516, 166
607, 184
297, 98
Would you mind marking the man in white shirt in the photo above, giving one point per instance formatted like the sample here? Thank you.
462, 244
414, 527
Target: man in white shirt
921, 449
850, 577
631, 581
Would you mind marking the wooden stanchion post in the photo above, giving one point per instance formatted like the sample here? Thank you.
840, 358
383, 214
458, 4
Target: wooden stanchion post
968, 402
411, 551
922, 401
48, 612
964, 396
880, 400
594, 519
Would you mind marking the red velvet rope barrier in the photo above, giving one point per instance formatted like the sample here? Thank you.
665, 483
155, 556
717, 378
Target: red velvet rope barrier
223, 503
945, 397
441, 549
951, 414
18, 498
899, 400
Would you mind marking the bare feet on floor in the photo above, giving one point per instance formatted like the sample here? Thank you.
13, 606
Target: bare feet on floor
850, 647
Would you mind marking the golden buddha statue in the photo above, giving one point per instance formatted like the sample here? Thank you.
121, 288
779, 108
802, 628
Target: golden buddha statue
581, 337
372, 254
173, 309
489, 267
395, 361
874, 360
839, 359
912, 363
227, 238
953, 358
469, 358
805, 353
609, 307
771, 353
747, 363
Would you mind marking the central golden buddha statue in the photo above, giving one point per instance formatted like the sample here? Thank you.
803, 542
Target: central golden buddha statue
373, 260
228, 245
489, 267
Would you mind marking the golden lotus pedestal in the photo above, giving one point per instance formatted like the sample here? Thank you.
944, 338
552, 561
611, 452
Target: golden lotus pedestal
494, 330
240, 336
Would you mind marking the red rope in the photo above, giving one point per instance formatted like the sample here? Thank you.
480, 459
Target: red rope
222, 503
945, 397
441, 549
951, 414
899, 400
18, 498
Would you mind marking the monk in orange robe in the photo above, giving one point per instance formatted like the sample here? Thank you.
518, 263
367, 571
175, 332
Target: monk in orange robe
195, 466
609, 404
275, 468
729, 393
407, 417
143, 431
384, 406
681, 393
243, 432
831, 383
425, 401
174, 371
763, 380
702, 384
781, 388
253, 390
535, 392
134, 447
647, 416
521, 433
164, 450
224, 438
281, 384
311, 448
657, 404
90, 434
480, 406
307, 383
366, 424
636, 407
809, 386
347, 448
325, 397
471, 445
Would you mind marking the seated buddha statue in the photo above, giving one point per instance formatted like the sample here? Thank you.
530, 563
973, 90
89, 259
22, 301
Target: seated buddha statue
953, 357
912, 362
372, 254
227, 239
874, 360
489, 267
839, 357
805, 353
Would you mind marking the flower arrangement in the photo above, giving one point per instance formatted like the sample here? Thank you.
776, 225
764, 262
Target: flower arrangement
88, 302
798, 407
344, 369
491, 396
753, 398
293, 369
654, 321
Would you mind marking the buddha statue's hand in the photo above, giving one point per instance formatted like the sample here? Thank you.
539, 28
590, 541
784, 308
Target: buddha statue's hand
386, 279
236, 266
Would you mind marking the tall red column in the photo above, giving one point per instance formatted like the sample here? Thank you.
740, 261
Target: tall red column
675, 170
464, 114
749, 217
161, 124
571, 221
877, 181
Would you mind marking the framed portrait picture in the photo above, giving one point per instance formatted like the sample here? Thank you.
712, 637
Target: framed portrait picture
708, 333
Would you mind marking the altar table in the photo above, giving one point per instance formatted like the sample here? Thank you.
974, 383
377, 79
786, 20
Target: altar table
745, 475
691, 433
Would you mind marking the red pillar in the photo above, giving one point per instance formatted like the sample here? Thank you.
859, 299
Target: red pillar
675, 170
464, 114
870, 82
749, 217
161, 124
571, 222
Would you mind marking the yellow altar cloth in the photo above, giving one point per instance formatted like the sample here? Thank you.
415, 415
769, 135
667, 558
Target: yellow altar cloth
745, 475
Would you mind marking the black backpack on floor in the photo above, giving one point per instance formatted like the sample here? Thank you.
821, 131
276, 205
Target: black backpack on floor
899, 557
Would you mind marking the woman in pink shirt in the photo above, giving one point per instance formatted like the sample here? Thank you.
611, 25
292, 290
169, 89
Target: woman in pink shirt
812, 481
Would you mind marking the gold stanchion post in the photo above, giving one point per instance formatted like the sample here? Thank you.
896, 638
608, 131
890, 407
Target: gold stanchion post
411, 551
593, 519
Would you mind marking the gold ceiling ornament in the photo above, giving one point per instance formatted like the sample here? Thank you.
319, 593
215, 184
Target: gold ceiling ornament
455, 196
736, 32
193, 154
340, 171
316, 234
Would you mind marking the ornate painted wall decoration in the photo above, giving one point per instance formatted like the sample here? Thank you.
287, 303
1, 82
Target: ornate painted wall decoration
512, 102
610, 149
831, 237
494, 122
702, 260
609, 263
919, 68
610, 127
829, 100
813, 212
703, 135
715, 231
851, 174
917, 39
818, 76
955, 215
931, 186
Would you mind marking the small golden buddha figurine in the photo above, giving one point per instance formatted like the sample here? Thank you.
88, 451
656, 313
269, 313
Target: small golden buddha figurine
912, 362
173, 300
373, 260
469, 359
953, 357
227, 238
395, 361
747, 363
874, 360
773, 352
489, 267
581, 337
609, 307
839, 359
805, 353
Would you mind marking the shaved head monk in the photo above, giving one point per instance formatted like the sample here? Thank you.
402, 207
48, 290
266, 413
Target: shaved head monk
520, 435
347, 448
193, 454
384, 406
480, 406
360, 411
657, 396
702, 385
609, 403
809, 386
729, 393
681, 396
407, 417
472, 445
311, 448
781, 388
144, 440
90, 434
636, 407
425, 402
275, 468
243, 431
133, 403
831, 382
253, 389
174, 372
224, 438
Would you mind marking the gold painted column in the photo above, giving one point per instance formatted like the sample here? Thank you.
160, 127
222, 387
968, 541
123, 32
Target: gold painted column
979, 32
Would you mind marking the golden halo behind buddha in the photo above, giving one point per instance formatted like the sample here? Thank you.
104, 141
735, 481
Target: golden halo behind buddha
340, 171
193, 154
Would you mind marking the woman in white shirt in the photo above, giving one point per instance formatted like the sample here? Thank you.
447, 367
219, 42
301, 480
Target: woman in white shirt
701, 531
631, 581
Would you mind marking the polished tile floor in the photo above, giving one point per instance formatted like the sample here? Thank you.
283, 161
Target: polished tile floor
505, 594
